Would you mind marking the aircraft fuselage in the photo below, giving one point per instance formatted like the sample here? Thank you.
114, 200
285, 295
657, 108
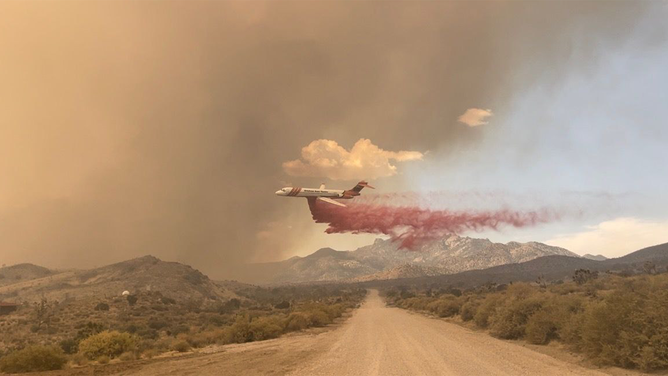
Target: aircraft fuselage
312, 192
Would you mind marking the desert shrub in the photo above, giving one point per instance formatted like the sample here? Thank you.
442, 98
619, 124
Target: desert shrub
147, 333
239, 332
132, 300
468, 310
335, 310
32, 359
200, 339
79, 360
158, 307
107, 343
150, 353
157, 324
215, 319
510, 319
582, 276
69, 346
446, 307
282, 305
127, 356
178, 329
103, 359
181, 346
166, 300
318, 318
297, 321
102, 307
265, 328
89, 329
628, 328
541, 327
486, 309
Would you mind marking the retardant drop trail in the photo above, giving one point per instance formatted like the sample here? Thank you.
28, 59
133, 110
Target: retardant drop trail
412, 226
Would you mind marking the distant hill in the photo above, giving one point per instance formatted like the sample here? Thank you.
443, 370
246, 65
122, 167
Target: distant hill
595, 257
549, 267
22, 272
657, 253
146, 273
401, 271
383, 259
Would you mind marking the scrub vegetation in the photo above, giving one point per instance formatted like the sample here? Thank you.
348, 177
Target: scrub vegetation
52, 335
611, 319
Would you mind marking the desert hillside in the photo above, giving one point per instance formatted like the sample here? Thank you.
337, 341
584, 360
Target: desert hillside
142, 274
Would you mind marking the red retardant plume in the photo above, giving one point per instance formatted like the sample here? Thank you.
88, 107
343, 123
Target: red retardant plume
413, 226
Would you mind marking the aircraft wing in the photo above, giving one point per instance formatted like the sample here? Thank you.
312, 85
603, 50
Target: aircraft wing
330, 201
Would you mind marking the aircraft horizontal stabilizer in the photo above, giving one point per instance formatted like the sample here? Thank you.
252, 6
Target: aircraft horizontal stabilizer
330, 201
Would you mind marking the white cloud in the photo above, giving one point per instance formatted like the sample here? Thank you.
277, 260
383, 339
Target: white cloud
326, 158
614, 238
475, 116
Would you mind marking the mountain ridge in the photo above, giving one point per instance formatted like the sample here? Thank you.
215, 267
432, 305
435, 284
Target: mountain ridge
447, 255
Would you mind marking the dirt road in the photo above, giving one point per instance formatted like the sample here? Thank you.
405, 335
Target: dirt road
376, 340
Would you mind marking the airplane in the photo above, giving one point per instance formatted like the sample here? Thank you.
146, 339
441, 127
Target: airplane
322, 194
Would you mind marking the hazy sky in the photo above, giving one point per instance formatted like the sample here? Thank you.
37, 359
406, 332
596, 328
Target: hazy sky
133, 128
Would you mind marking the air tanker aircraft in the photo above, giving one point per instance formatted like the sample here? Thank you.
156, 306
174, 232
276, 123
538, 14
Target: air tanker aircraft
322, 194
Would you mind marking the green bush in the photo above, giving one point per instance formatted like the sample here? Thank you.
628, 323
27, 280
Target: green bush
239, 332
297, 321
32, 359
510, 319
265, 328
447, 307
107, 343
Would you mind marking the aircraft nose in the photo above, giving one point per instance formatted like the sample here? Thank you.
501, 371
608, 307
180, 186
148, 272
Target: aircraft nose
279, 192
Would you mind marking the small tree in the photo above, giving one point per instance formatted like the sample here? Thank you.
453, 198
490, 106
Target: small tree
582, 276
541, 282
132, 300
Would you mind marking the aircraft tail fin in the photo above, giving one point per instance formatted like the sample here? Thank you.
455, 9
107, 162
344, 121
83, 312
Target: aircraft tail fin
322, 186
361, 185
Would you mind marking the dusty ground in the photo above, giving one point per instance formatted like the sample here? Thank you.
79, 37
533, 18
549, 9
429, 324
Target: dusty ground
376, 340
